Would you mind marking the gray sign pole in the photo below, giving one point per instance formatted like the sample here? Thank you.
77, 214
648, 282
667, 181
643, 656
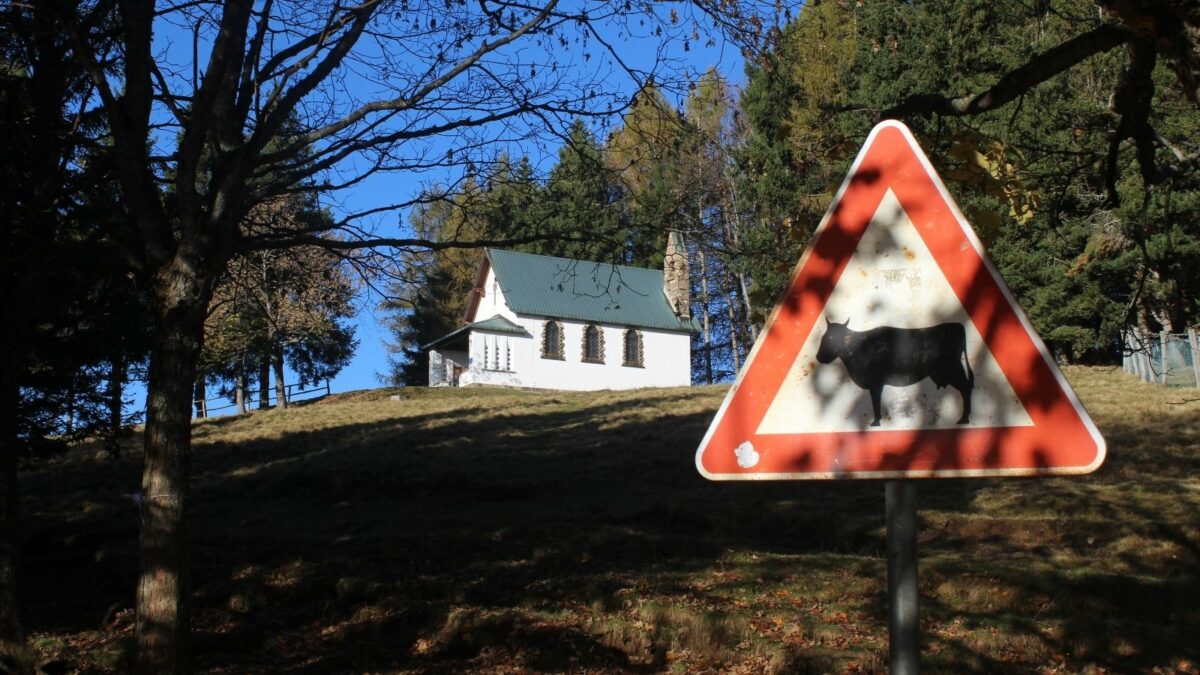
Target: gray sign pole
903, 629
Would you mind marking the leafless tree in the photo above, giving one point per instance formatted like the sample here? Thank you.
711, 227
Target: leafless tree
216, 107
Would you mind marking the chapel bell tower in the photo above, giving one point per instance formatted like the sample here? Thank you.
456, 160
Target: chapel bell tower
677, 284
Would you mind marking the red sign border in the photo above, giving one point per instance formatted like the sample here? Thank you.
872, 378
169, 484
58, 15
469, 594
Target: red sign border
891, 159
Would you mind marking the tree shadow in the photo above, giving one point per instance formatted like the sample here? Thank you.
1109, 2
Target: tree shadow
347, 546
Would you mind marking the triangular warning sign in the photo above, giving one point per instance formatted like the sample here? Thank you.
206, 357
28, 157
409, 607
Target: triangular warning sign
897, 350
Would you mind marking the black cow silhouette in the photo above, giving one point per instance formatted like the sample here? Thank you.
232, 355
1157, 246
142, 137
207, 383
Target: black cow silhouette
900, 357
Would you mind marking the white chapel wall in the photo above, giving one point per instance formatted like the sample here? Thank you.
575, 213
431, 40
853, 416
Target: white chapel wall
498, 359
442, 364
491, 300
666, 359
666, 355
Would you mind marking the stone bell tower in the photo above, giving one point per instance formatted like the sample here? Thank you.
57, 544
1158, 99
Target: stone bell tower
677, 284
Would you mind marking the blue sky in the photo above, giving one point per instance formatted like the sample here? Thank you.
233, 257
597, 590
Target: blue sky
370, 360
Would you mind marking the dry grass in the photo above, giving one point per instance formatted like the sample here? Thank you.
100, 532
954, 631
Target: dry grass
490, 530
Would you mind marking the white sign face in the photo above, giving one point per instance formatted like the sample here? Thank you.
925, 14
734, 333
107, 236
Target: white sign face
893, 280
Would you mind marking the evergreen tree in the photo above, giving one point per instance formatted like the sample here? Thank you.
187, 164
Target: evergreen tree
426, 312
430, 298
277, 307
1030, 178
582, 197
72, 322
511, 204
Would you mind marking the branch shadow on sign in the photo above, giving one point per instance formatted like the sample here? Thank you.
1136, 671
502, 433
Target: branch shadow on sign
894, 349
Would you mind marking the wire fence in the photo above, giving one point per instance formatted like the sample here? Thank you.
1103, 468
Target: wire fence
292, 392
1165, 358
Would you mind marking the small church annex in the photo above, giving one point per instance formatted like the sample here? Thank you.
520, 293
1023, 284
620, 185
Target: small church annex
556, 323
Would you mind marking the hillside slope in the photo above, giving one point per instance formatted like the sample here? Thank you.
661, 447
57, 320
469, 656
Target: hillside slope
489, 530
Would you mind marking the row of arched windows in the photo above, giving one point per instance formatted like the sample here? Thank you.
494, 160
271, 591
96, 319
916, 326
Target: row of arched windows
593, 345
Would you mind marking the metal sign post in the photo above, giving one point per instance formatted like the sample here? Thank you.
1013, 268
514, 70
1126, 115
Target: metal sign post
903, 627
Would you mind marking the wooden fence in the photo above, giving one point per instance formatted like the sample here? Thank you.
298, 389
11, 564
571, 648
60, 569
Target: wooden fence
1164, 358
203, 407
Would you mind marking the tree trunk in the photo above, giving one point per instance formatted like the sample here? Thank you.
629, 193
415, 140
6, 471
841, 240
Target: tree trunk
745, 295
239, 393
280, 387
733, 240
728, 294
116, 405
71, 395
162, 596
15, 656
264, 383
708, 346
116, 395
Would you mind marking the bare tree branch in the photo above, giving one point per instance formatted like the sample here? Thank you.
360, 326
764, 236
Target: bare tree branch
1037, 70
407, 102
1131, 100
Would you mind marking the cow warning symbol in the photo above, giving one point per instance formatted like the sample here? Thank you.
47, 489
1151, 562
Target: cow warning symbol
897, 351
900, 357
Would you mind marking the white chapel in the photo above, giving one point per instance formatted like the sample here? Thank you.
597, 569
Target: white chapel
557, 323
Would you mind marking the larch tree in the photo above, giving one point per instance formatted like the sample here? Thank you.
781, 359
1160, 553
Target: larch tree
708, 172
642, 155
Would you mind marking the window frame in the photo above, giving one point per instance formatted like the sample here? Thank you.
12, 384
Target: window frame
640, 355
584, 357
560, 354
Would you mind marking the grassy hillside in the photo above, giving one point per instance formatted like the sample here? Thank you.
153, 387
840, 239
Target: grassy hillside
504, 531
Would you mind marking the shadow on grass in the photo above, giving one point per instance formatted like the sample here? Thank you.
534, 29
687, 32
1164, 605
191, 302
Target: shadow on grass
571, 532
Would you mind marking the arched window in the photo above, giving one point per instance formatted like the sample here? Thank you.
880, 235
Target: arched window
593, 345
552, 340
633, 349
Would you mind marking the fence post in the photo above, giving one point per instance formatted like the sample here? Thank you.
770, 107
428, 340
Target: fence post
1164, 342
1194, 345
1135, 347
1147, 359
1126, 354
200, 397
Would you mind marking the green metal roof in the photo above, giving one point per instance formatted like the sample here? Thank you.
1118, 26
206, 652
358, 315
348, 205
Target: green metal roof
564, 288
496, 324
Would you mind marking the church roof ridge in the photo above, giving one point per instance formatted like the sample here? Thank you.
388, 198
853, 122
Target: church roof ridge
584, 290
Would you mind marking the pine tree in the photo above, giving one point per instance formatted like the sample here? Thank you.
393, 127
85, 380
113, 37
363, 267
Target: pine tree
582, 205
